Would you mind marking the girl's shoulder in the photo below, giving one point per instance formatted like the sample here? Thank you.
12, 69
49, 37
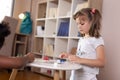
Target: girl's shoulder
98, 41
92, 40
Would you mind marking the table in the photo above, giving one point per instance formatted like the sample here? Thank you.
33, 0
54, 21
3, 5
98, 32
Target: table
52, 64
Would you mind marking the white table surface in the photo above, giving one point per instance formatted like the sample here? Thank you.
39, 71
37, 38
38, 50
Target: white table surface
52, 64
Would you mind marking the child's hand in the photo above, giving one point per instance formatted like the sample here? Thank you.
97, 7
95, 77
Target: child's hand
63, 55
30, 57
74, 58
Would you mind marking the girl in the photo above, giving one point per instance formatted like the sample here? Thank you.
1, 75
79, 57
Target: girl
90, 50
11, 62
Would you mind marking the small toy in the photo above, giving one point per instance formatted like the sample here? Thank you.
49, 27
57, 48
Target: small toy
60, 61
45, 58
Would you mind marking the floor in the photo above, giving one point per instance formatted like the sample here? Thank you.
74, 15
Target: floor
24, 75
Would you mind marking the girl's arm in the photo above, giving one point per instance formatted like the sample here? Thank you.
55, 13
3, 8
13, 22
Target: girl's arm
98, 62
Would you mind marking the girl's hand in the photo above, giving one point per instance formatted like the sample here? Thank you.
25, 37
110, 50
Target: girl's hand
63, 55
74, 58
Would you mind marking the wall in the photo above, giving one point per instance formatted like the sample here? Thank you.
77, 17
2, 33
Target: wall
111, 34
20, 6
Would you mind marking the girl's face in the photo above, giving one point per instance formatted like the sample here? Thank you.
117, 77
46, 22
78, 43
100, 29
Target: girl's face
83, 24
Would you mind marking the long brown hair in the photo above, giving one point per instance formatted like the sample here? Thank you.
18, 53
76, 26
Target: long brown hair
94, 16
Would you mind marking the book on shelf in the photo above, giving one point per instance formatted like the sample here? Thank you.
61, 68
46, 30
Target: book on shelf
63, 29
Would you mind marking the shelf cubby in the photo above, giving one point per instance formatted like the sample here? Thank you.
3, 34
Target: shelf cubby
38, 45
63, 25
40, 28
52, 9
50, 24
64, 8
42, 9
49, 46
61, 46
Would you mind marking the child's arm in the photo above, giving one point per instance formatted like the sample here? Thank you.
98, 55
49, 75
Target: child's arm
98, 62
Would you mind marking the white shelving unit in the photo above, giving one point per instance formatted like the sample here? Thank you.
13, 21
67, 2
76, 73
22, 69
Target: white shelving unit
50, 14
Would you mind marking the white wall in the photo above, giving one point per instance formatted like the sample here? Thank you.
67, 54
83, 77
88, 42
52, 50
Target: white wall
111, 34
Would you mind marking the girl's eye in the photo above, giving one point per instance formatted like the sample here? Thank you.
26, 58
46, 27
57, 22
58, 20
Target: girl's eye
82, 23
